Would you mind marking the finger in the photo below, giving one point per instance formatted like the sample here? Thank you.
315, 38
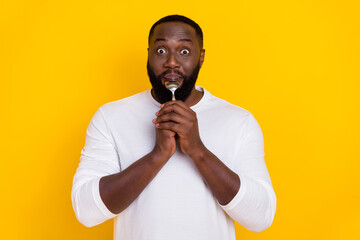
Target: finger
171, 117
166, 133
172, 126
175, 107
177, 103
174, 102
185, 118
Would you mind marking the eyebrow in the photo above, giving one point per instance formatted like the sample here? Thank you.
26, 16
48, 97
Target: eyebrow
180, 40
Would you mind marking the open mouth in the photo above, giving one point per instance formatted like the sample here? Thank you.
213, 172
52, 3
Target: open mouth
172, 77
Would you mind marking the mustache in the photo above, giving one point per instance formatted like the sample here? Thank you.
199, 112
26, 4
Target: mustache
171, 71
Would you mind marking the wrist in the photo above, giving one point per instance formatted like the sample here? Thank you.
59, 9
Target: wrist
198, 153
157, 155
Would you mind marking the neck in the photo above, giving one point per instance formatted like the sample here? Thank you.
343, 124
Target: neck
194, 98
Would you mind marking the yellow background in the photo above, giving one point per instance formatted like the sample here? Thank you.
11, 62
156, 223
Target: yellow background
293, 64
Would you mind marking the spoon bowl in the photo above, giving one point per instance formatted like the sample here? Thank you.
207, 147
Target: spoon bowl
172, 86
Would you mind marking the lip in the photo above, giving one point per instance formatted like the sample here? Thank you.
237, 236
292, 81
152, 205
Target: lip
172, 77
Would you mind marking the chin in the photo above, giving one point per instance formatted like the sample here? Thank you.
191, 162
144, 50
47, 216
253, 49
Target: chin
163, 94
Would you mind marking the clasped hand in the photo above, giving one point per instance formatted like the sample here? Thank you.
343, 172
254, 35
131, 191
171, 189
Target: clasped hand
175, 117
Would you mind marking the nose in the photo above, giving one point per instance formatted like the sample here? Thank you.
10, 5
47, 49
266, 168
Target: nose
172, 62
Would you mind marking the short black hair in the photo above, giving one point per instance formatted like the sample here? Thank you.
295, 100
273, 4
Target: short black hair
179, 18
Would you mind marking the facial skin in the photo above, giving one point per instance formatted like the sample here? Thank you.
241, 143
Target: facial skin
174, 55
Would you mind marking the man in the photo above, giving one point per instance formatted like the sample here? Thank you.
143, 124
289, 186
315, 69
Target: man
180, 169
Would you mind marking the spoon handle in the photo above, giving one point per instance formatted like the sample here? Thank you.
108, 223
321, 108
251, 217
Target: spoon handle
172, 86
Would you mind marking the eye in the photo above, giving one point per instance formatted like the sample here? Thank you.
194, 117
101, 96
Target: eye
161, 50
185, 51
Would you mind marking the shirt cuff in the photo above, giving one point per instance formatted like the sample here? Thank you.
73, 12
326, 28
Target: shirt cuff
98, 201
238, 197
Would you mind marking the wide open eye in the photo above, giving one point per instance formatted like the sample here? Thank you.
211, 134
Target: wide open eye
161, 50
185, 51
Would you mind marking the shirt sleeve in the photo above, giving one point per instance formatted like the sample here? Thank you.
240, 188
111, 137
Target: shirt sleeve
98, 158
254, 205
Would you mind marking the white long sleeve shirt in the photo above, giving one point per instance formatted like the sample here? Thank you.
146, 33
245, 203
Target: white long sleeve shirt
177, 204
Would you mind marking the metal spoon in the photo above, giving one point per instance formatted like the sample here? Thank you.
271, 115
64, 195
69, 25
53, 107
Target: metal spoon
172, 86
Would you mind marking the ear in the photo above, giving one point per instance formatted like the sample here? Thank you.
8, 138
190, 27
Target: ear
202, 56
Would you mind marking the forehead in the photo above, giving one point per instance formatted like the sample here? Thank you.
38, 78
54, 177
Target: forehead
174, 30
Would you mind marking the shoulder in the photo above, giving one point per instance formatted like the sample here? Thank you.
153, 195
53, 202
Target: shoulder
222, 114
135, 107
226, 120
128, 102
223, 108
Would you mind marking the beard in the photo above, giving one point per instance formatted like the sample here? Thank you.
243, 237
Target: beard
182, 93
